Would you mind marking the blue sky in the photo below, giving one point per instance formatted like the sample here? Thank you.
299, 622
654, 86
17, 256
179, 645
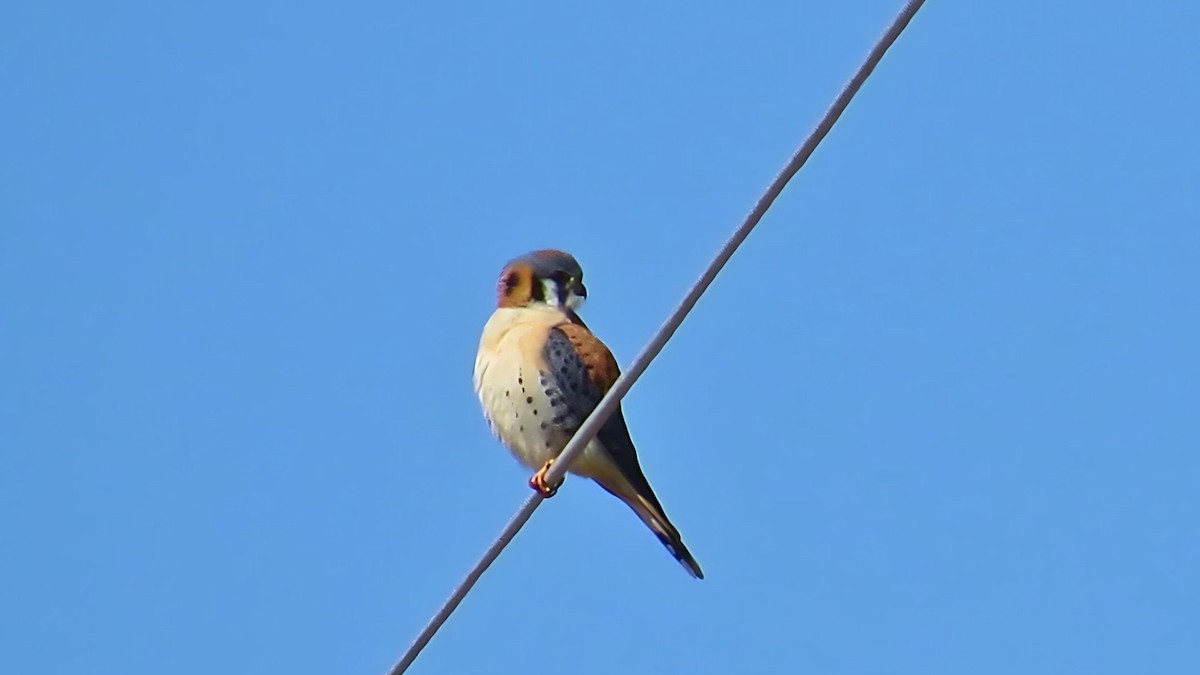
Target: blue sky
939, 415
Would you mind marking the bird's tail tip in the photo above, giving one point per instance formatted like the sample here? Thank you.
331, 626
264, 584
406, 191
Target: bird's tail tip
651, 512
680, 552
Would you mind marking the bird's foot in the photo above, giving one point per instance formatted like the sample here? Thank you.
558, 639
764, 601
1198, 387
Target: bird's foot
538, 482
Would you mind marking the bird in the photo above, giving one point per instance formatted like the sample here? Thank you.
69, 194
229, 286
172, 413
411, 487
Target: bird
540, 372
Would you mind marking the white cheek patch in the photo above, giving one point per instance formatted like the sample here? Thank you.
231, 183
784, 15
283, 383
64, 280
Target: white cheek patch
574, 301
550, 292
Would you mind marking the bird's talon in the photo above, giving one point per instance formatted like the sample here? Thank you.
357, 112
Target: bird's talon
538, 482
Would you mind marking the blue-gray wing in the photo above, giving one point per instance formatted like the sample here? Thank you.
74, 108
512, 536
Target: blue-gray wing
581, 371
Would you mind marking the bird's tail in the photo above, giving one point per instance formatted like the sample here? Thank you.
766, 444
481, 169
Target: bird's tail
652, 514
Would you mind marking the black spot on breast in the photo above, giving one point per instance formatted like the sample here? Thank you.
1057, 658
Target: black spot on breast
535, 411
529, 399
543, 426
522, 428
564, 370
520, 380
505, 393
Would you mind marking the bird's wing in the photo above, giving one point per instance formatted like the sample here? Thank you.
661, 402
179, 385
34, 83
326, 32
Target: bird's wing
584, 370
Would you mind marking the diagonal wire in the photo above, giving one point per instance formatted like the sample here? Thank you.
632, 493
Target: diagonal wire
610, 401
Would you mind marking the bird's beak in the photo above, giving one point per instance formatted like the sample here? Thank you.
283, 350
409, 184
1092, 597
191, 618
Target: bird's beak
576, 294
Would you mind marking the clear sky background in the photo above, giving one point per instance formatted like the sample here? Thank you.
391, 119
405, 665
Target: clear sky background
939, 415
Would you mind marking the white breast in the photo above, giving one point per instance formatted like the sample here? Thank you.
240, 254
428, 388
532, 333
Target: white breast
507, 382
513, 397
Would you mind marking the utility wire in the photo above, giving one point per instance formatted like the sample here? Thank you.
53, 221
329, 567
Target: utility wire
609, 403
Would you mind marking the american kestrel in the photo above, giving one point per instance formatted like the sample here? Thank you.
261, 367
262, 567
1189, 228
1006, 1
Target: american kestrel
540, 372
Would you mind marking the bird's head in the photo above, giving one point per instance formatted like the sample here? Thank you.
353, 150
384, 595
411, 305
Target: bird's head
547, 277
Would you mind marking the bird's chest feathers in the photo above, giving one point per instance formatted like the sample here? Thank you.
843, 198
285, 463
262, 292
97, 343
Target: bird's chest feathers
518, 395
